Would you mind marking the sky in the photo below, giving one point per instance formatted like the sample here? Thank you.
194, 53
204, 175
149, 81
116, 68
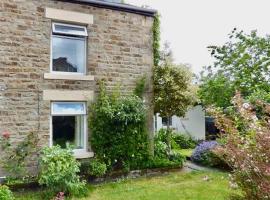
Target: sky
192, 25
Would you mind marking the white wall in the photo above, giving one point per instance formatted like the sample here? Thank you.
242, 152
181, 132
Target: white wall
193, 123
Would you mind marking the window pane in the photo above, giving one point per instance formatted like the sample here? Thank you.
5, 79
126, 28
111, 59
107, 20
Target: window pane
165, 121
68, 54
67, 108
73, 30
68, 130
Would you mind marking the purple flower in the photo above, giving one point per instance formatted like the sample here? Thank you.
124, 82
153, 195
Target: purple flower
202, 149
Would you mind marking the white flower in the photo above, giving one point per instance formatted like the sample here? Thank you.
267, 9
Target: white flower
246, 105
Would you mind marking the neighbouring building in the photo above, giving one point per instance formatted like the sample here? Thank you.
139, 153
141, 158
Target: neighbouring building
52, 52
193, 124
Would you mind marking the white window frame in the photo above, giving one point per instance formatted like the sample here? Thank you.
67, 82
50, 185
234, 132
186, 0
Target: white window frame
60, 34
77, 152
84, 34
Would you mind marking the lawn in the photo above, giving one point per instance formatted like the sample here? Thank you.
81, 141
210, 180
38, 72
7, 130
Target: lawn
173, 186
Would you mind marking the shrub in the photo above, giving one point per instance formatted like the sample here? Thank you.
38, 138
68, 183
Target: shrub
5, 193
94, 167
178, 141
176, 157
247, 151
161, 135
184, 141
14, 158
58, 171
174, 160
163, 157
205, 155
118, 130
161, 149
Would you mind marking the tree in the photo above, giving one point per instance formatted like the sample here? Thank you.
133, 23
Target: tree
241, 64
216, 90
173, 91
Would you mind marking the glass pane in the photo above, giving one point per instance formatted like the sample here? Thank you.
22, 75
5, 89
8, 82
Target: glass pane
68, 130
165, 121
68, 54
66, 108
59, 28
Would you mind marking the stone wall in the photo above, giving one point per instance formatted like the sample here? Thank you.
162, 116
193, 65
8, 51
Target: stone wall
119, 51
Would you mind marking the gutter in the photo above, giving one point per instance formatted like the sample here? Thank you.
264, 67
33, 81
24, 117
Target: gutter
115, 6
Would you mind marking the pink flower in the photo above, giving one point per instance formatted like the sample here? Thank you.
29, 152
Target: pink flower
60, 196
61, 193
6, 135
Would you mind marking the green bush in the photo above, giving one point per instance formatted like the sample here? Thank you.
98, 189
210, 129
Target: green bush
183, 141
5, 193
58, 171
160, 144
178, 141
118, 131
94, 167
172, 161
162, 157
161, 149
161, 135
176, 157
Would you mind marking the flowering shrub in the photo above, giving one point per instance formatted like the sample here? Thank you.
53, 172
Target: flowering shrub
58, 171
5, 193
118, 130
60, 196
203, 153
13, 160
247, 150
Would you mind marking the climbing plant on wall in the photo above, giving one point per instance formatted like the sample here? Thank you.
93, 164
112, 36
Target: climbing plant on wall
156, 39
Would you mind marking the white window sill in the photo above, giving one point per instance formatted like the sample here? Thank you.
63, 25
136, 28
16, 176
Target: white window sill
82, 155
77, 77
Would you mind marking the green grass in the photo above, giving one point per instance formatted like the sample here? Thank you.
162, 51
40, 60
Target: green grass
174, 186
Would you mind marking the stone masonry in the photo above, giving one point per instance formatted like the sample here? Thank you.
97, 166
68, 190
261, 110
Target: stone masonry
119, 51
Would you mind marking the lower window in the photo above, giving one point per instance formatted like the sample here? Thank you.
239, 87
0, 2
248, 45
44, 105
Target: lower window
69, 124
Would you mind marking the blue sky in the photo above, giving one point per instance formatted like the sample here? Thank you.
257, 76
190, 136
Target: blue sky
192, 25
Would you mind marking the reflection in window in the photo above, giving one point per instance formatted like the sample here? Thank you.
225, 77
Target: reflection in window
68, 124
68, 54
69, 48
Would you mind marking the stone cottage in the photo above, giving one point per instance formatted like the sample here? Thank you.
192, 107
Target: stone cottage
52, 52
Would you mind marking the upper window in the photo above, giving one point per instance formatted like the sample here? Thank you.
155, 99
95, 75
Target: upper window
68, 48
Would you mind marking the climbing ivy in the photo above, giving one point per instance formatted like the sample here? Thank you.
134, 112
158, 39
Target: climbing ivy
140, 87
156, 39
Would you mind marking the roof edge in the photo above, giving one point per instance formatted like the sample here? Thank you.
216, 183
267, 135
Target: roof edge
116, 6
